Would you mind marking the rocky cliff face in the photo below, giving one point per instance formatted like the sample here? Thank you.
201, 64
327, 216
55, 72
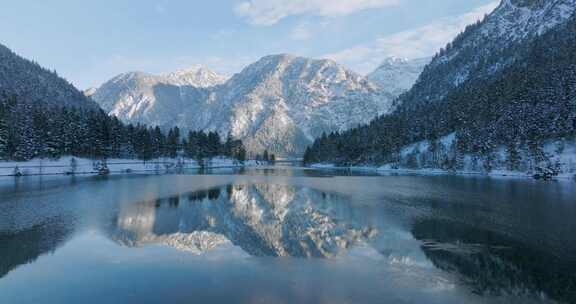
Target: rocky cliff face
280, 103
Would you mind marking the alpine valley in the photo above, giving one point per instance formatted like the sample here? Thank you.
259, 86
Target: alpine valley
445, 175
500, 98
280, 103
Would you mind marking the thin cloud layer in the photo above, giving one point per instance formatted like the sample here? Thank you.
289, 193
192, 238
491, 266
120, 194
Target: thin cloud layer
269, 12
420, 42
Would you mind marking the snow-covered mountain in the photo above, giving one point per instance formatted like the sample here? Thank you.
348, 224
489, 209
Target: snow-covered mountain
280, 103
502, 88
138, 97
197, 76
398, 75
480, 51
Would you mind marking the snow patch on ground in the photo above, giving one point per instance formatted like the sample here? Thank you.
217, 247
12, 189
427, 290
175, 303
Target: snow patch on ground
561, 154
65, 165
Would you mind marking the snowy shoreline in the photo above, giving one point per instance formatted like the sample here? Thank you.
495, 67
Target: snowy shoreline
82, 166
418, 158
432, 172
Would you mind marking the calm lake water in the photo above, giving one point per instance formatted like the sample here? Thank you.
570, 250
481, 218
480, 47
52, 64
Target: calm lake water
286, 236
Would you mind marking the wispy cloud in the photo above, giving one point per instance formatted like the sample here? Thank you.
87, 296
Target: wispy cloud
269, 12
415, 43
301, 32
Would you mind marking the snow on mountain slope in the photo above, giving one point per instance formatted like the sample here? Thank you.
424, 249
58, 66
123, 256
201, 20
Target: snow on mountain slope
480, 51
398, 75
197, 76
138, 97
280, 103
518, 19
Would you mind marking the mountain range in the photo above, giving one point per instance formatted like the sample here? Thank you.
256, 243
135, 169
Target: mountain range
280, 103
397, 75
501, 96
481, 50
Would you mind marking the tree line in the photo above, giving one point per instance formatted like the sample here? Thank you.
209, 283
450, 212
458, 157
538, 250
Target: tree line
36, 130
519, 107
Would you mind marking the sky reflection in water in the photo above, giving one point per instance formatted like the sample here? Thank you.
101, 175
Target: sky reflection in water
302, 237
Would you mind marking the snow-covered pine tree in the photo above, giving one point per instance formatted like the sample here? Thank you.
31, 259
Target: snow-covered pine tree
25, 147
514, 158
3, 132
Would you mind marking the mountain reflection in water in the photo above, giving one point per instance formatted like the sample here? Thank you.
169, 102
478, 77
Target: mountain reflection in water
299, 238
262, 219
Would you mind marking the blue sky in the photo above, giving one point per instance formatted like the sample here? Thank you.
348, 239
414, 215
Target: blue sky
88, 42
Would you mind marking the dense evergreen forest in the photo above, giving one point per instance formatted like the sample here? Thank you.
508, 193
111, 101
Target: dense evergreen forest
32, 129
26, 79
530, 101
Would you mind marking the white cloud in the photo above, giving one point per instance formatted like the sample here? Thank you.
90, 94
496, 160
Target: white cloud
415, 43
301, 32
269, 12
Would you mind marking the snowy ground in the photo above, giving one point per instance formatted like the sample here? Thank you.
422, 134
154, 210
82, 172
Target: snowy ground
565, 157
430, 171
65, 165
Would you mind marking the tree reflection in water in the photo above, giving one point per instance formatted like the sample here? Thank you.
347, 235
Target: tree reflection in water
494, 264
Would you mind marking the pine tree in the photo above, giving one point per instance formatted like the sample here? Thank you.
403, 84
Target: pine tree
228, 146
213, 144
24, 147
172, 143
3, 132
514, 159
29, 130
158, 142
241, 155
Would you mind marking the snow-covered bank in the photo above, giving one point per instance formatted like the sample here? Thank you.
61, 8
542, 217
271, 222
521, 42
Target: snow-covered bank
441, 157
73, 165
429, 171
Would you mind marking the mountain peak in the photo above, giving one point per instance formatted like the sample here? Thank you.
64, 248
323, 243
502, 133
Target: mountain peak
280, 103
397, 75
393, 60
196, 75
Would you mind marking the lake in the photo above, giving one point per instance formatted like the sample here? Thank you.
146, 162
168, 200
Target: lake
286, 235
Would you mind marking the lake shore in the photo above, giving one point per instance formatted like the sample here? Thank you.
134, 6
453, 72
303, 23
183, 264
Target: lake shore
431, 171
81, 166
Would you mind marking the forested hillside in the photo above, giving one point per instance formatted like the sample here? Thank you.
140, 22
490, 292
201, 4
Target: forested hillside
44, 116
280, 103
28, 80
30, 129
521, 106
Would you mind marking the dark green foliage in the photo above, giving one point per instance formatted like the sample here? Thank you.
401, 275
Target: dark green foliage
200, 145
26, 79
33, 129
530, 100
